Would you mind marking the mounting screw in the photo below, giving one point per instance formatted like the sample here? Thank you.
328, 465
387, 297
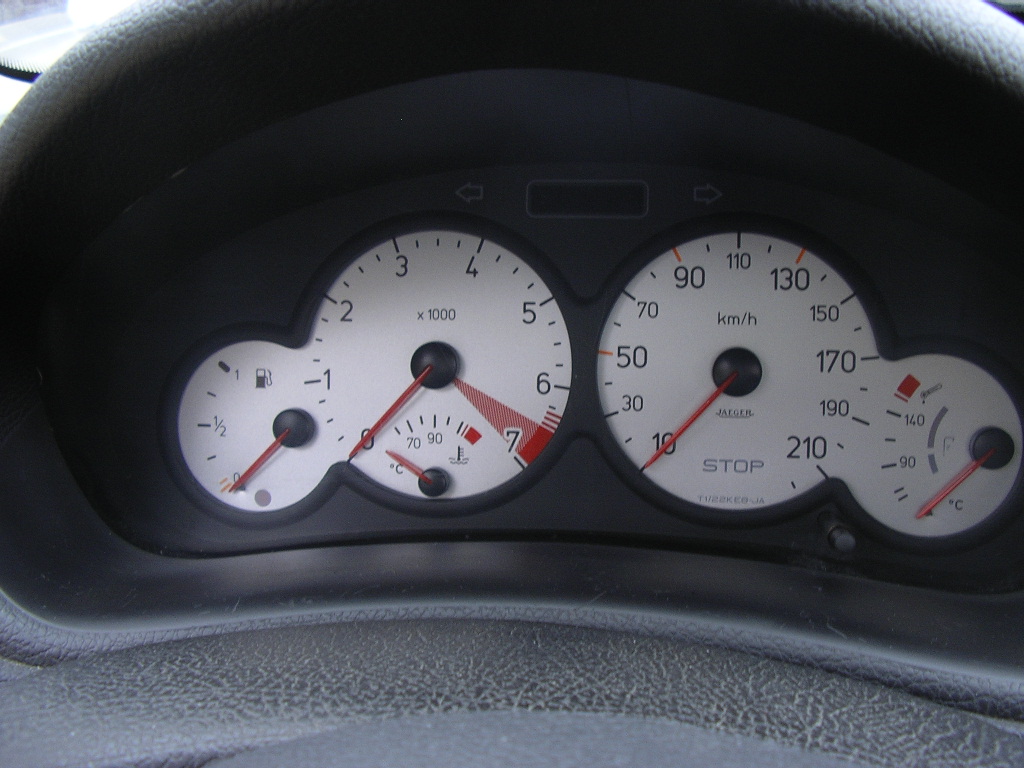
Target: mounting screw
842, 539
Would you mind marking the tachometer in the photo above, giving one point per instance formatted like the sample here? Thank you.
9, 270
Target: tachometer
451, 354
438, 365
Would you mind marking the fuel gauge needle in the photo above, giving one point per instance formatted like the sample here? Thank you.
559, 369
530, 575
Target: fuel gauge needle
693, 417
256, 465
390, 412
953, 484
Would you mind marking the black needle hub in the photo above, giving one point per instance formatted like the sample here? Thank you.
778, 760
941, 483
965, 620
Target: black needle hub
988, 439
299, 422
742, 361
443, 358
439, 482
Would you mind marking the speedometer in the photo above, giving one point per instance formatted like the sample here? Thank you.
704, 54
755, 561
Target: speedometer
731, 371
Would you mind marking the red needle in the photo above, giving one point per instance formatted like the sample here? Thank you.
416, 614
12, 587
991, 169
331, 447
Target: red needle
410, 466
953, 484
693, 417
390, 412
263, 459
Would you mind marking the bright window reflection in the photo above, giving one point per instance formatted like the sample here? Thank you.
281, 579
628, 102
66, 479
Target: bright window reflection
35, 33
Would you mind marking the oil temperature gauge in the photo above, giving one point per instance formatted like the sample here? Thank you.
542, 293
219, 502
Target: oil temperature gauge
947, 448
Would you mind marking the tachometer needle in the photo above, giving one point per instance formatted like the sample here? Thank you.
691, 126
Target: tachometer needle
953, 484
263, 459
693, 417
420, 474
390, 412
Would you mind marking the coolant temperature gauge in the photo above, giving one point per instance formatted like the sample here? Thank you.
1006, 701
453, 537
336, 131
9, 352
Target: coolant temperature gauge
947, 449
435, 456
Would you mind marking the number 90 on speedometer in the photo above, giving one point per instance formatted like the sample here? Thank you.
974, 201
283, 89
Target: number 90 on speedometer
734, 371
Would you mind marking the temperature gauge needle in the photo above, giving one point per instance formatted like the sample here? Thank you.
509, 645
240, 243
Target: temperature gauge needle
263, 459
953, 484
390, 412
693, 417
419, 473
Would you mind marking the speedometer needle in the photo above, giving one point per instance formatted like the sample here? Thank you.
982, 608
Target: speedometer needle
953, 484
693, 417
263, 459
390, 412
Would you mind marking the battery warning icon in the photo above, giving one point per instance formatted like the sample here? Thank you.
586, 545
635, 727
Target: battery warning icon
907, 388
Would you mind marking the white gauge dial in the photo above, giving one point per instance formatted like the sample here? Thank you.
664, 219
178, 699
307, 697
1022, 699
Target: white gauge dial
777, 319
494, 338
946, 448
233, 412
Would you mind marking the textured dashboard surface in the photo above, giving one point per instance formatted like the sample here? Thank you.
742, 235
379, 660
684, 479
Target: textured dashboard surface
535, 739
154, 705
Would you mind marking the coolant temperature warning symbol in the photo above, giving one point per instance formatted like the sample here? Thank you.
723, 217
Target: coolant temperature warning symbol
907, 388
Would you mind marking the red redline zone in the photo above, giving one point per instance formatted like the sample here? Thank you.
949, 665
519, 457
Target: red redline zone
533, 436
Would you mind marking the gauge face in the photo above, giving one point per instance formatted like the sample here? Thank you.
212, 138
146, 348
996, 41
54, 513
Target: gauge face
945, 452
252, 429
731, 372
438, 365
492, 335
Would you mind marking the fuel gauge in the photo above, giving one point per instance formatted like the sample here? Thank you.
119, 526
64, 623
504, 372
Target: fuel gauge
249, 423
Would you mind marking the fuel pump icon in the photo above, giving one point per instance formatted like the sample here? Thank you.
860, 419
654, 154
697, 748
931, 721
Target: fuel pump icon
263, 378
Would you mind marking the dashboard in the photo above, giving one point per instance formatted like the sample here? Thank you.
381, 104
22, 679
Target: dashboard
498, 347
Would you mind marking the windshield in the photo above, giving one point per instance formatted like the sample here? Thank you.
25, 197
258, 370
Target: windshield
35, 33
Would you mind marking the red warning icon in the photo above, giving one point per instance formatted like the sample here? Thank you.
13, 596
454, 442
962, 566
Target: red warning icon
907, 388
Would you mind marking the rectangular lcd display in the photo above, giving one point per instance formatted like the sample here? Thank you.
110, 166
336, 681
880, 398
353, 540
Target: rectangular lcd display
587, 199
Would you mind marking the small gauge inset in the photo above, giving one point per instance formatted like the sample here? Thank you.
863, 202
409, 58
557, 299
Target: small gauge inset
436, 455
251, 424
946, 451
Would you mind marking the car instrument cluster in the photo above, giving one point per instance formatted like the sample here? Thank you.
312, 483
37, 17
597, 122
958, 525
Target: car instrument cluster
615, 333
738, 372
